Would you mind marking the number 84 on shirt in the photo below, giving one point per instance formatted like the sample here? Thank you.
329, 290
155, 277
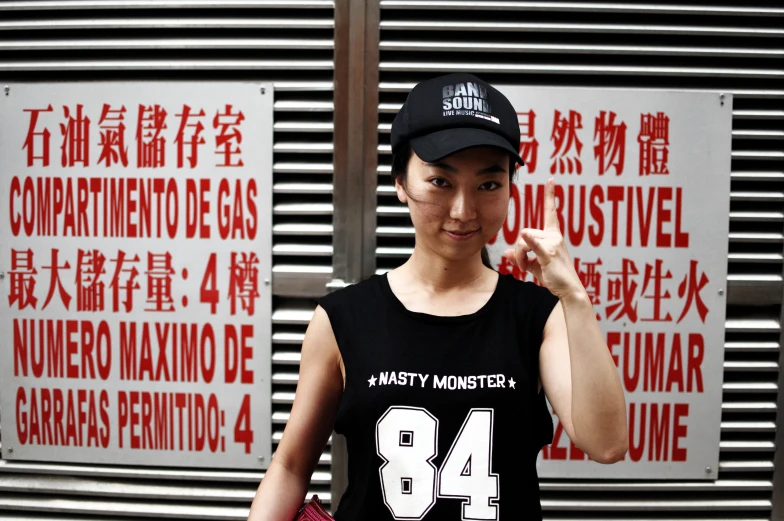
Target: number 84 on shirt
407, 441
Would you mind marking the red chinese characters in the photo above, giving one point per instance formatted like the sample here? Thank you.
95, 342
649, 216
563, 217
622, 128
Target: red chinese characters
654, 140
76, 137
159, 282
621, 292
37, 140
150, 144
566, 154
89, 287
112, 140
22, 276
244, 281
189, 136
609, 143
124, 281
54, 280
228, 136
529, 146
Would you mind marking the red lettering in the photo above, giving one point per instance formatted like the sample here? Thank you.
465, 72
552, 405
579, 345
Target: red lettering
83, 194
207, 338
72, 369
172, 209
613, 339
679, 431
675, 371
147, 438
253, 219
46, 414
644, 218
21, 415
576, 233
636, 449
660, 433
135, 438
663, 240
16, 219
512, 234
106, 429
654, 363
681, 239
87, 349
696, 353
615, 194
596, 232
631, 382
247, 353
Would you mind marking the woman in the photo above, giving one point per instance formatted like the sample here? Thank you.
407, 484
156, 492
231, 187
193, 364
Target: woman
437, 371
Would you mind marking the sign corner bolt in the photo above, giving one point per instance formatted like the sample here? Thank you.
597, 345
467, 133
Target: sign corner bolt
721, 98
7, 90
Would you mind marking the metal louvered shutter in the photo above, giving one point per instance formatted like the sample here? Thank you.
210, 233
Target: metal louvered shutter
287, 42
735, 48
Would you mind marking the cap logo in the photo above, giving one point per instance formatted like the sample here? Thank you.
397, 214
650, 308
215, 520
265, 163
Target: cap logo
466, 99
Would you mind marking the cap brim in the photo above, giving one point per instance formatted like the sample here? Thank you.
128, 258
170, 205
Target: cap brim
438, 145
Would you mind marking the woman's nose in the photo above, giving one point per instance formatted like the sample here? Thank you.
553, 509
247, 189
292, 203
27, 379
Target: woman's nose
463, 207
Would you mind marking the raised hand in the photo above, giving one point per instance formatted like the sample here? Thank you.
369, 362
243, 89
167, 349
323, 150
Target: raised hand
551, 265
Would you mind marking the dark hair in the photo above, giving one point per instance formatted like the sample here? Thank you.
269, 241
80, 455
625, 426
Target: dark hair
402, 157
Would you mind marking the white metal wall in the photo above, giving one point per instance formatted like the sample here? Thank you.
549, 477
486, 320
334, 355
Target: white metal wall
726, 45
288, 42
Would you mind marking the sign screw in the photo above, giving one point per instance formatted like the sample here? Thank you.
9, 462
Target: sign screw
721, 292
10, 450
263, 90
708, 469
7, 90
261, 458
721, 99
267, 282
2, 274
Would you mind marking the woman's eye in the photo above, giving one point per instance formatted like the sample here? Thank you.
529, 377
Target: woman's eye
490, 185
439, 182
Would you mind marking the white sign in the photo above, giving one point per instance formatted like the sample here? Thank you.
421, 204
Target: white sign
135, 233
642, 193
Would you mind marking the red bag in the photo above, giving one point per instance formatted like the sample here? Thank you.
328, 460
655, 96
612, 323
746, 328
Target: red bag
313, 511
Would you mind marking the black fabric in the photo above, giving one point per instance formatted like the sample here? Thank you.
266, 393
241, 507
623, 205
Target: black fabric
431, 405
451, 102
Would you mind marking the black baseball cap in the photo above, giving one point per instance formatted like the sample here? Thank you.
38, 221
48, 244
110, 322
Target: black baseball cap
450, 113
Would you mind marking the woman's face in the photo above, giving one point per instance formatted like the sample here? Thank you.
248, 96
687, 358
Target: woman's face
457, 203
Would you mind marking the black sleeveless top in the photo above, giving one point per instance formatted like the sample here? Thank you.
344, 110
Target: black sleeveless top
441, 415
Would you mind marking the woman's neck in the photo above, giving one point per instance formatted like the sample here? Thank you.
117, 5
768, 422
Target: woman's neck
438, 273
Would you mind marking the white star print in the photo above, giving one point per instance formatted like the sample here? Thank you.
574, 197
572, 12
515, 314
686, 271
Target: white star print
372, 381
512, 383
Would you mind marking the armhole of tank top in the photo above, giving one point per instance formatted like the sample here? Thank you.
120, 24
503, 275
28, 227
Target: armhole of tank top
332, 311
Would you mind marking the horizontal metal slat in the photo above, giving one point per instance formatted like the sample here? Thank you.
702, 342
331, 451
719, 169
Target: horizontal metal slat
82, 506
302, 168
292, 316
444, 25
750, 387
302, 249
747, 446
758, 114
282, 398
748, 407
167, 64
757, 216
280, 337
164, 43
745, 466
303, 126
286, 358
166, 23
748, 427
751, 366
756, 237
657, 505
124, 472
304, 106
553, 48
37, 5
302, 229
758, 134
628, 70
758, 155
751, 346
580, 7
719, 485
103, 488
303, 148
303, 209
757, 176
302, 188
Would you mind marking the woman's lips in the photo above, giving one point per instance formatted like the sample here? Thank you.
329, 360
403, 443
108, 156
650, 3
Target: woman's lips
461, 236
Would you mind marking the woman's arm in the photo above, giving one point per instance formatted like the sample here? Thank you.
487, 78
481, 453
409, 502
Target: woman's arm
575, 366
319, 389
581, 381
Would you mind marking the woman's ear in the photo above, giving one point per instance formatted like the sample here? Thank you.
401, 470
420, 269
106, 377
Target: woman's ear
402, 196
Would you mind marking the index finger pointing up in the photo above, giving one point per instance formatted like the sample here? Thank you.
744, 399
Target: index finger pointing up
550, 216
